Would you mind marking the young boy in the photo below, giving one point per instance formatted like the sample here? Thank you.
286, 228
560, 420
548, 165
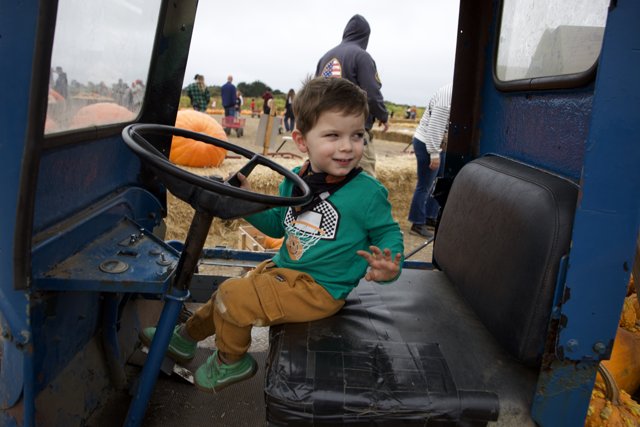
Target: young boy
326, 241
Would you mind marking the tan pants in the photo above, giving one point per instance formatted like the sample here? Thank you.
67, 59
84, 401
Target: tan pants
368, 161
266, 296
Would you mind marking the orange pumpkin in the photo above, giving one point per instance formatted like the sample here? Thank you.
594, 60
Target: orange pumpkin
630, 311
189, 152
54, 97
50, 125
101, 113
624, 365
611, 406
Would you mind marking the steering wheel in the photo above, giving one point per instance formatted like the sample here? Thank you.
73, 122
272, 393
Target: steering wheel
221, 198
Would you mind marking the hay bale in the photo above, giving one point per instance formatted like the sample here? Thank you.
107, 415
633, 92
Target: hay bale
222, 232
397, 174
397, 135
413, 122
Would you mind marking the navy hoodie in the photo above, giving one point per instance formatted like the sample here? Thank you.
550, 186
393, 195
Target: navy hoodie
351, 61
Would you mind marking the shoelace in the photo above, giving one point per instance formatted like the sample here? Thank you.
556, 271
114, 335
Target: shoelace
212, 366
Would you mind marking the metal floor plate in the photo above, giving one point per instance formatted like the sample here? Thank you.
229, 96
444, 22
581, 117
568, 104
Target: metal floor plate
177, 403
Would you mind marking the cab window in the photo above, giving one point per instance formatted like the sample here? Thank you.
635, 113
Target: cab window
100, 62
541, 39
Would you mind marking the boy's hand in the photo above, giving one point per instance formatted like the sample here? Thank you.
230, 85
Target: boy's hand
383, 267
244, 182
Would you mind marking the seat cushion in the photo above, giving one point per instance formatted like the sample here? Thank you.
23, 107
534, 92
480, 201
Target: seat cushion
408, 353
503, 232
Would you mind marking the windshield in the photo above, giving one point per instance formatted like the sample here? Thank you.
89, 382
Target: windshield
100, 61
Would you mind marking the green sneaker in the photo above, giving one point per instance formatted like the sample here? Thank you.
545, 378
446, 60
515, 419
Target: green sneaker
213, 375
180, 349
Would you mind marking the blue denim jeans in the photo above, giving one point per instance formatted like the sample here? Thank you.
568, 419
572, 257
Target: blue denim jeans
289, 123
230, 111
423, 205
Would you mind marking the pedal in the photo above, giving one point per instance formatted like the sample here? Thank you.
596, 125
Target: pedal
183, 373
168, 367
139, 358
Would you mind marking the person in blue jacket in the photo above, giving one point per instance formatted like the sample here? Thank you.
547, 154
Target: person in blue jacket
350, 60
228, 94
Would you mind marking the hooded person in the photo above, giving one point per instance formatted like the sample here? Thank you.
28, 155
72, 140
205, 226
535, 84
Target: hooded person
350, 60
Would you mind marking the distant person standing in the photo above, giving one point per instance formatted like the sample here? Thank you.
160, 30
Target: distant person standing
127, 97
266, 105
61, 85
266, 97
351, 61
137, 95
199, 94
428, 145
239, 103
253, 107
118, 91
289, 119
228, 93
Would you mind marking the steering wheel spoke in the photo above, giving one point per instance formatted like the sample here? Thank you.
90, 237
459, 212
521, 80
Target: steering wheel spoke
245, 170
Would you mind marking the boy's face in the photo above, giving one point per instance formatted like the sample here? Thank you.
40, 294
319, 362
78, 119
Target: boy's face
335, 144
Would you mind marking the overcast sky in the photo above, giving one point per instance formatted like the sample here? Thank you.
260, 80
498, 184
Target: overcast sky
412, 42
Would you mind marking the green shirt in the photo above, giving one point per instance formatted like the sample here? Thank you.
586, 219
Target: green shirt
323, 242
199, 98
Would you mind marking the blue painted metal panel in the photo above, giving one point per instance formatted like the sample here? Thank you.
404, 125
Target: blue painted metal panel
17, 45
60, 241
55, 314
606, 224
563, 393
605, 228
74, 176
53, 319
547, 130
11, 374
127, 258
233, 254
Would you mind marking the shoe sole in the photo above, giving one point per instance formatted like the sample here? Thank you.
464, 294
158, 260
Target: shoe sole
216, 389
415, 233
179, 360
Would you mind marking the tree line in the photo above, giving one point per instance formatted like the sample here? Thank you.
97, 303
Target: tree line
249, 90
256, 88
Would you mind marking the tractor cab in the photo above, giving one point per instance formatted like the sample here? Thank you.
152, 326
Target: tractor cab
506, 326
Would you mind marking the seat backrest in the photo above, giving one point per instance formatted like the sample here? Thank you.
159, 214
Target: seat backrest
503, 231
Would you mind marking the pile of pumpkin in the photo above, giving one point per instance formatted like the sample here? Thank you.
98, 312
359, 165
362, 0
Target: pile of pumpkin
619, 378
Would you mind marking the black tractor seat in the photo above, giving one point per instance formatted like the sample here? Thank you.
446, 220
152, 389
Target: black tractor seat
461, 346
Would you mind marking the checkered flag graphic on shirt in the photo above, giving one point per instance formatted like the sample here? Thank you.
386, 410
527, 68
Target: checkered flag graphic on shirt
332, 69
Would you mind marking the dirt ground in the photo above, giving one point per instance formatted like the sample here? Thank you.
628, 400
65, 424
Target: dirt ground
395, 168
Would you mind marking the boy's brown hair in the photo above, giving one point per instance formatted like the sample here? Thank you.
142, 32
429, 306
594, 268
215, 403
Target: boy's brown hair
327, 94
